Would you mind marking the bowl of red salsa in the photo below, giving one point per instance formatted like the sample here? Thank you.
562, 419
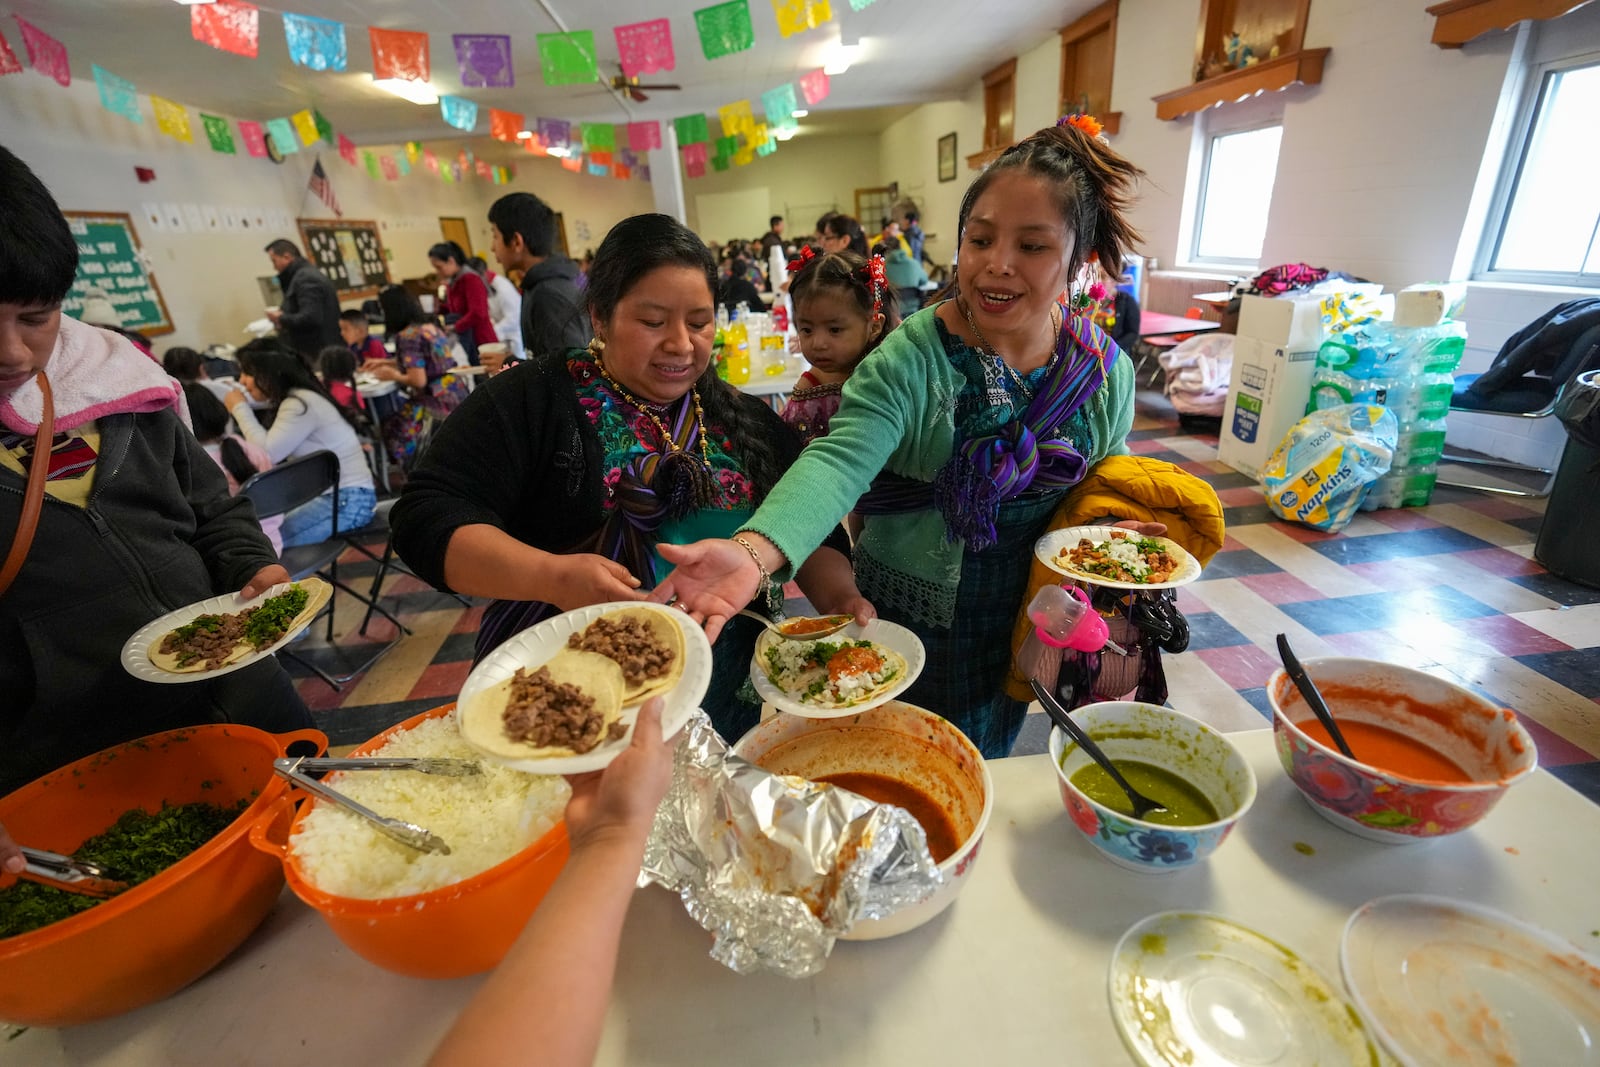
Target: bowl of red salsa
896, 754
1432, 758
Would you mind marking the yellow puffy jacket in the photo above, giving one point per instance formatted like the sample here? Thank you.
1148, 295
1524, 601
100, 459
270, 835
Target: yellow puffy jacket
1128, 487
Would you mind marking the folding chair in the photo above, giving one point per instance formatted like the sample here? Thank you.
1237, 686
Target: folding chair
286, 487
1531, 396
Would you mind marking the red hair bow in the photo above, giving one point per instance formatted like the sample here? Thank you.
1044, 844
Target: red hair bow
877, 281
806, 255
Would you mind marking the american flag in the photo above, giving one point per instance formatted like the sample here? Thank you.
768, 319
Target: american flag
324, 189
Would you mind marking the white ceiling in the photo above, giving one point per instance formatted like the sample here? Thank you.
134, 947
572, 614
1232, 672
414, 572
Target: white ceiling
912, 51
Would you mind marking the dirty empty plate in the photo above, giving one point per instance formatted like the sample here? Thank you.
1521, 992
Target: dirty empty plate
1441, 981
1200, 990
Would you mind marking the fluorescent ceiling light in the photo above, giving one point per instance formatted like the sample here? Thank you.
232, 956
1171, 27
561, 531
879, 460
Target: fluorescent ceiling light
406, 89
840, 59
802, 113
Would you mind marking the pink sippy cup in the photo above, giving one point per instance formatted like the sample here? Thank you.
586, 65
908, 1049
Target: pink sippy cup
1065, 619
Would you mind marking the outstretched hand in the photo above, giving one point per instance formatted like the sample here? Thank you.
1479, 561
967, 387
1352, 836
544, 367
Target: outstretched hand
621, 801
584, 579
711, 581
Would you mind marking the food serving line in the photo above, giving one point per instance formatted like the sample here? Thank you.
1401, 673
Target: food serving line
1286, 929
1015, 971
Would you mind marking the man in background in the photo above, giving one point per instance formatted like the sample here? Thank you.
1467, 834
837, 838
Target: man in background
308, 319
524, 236
774, 236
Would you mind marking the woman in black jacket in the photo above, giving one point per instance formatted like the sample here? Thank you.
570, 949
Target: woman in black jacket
551, 486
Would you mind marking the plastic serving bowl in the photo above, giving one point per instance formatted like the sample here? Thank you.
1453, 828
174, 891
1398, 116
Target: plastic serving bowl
1163, 738
159, 936
451, 932
899, 741
1485, 741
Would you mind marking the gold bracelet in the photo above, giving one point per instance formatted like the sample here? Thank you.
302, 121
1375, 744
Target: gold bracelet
770, 587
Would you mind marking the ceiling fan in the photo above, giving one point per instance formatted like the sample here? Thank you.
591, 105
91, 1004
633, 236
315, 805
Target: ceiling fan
621, 83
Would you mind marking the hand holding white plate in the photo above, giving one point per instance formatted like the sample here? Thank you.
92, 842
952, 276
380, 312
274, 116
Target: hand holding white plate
890, 636
136, 650
537, 645
1048, 550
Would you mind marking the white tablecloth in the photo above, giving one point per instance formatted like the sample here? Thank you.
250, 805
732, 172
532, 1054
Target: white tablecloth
1013, 973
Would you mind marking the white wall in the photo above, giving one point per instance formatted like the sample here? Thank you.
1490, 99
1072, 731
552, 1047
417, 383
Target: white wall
909, 152
1038, 87
86, 156
805, 177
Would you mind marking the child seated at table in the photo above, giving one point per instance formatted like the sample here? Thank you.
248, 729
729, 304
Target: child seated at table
353, 327
336, 366
239, 459
842, 309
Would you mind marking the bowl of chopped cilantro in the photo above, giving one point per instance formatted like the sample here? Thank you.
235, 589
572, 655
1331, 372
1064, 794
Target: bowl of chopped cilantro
170, 814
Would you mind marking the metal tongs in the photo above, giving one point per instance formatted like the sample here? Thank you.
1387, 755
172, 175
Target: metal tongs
72, 875
453, 768
407, 833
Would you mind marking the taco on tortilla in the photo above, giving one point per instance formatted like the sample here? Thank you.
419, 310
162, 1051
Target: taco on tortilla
211, 641
645, 642
830, 673
567, 707
1124, 557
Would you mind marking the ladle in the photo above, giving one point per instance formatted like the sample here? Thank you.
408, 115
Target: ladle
1308, 689
1142, 805
835, 624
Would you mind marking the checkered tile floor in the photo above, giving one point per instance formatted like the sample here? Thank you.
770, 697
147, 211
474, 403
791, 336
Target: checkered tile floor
1450, 588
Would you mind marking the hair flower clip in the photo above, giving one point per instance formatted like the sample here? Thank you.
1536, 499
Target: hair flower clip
1087, 123
877, 281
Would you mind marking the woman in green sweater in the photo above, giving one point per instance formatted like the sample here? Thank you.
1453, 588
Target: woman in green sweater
958, 436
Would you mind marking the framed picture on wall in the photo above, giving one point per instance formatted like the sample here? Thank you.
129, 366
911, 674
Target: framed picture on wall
947, 158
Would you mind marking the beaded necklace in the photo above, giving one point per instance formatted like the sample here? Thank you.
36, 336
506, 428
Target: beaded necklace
661, 427
987, 350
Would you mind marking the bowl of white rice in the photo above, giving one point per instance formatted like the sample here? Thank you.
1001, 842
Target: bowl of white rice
428, 915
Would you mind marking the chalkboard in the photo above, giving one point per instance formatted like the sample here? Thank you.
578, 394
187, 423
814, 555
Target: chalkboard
349, 253
109, 259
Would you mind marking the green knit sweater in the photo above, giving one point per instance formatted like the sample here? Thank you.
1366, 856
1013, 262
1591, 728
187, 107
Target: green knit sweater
898, 414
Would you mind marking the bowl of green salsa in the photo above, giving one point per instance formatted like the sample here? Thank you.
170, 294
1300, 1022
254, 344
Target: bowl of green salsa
1191, 769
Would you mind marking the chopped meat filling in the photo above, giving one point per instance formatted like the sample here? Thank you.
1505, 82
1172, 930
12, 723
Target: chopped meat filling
629, 641
211, 638
548, 713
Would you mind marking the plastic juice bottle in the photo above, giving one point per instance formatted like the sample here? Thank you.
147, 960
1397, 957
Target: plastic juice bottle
737, 349
773, 355
719, 344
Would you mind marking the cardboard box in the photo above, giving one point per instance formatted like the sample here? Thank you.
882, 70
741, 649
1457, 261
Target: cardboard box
1267, 395
1294, 322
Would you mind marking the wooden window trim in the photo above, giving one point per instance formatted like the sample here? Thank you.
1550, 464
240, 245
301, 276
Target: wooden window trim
1101, 18
1458, 21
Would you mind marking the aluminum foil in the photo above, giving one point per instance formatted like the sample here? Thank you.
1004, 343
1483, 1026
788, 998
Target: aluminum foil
776, 867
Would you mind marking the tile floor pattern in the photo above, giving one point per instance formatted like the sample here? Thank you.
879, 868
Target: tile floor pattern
1450, 588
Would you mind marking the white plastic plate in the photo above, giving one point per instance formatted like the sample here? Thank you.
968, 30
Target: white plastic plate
136, 650
1442, 981
537, 645
1050, 545
889, 635
1199, 990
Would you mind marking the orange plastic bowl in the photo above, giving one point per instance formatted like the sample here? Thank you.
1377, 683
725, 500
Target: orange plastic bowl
461, 929
159, 936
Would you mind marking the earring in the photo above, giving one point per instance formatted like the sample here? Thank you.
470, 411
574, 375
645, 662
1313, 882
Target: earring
596, 346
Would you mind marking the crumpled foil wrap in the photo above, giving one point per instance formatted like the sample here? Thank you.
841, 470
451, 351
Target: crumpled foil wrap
776, 867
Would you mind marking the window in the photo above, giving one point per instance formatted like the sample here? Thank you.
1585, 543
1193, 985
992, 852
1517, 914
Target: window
1235, 194
999, 105
1545, 232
